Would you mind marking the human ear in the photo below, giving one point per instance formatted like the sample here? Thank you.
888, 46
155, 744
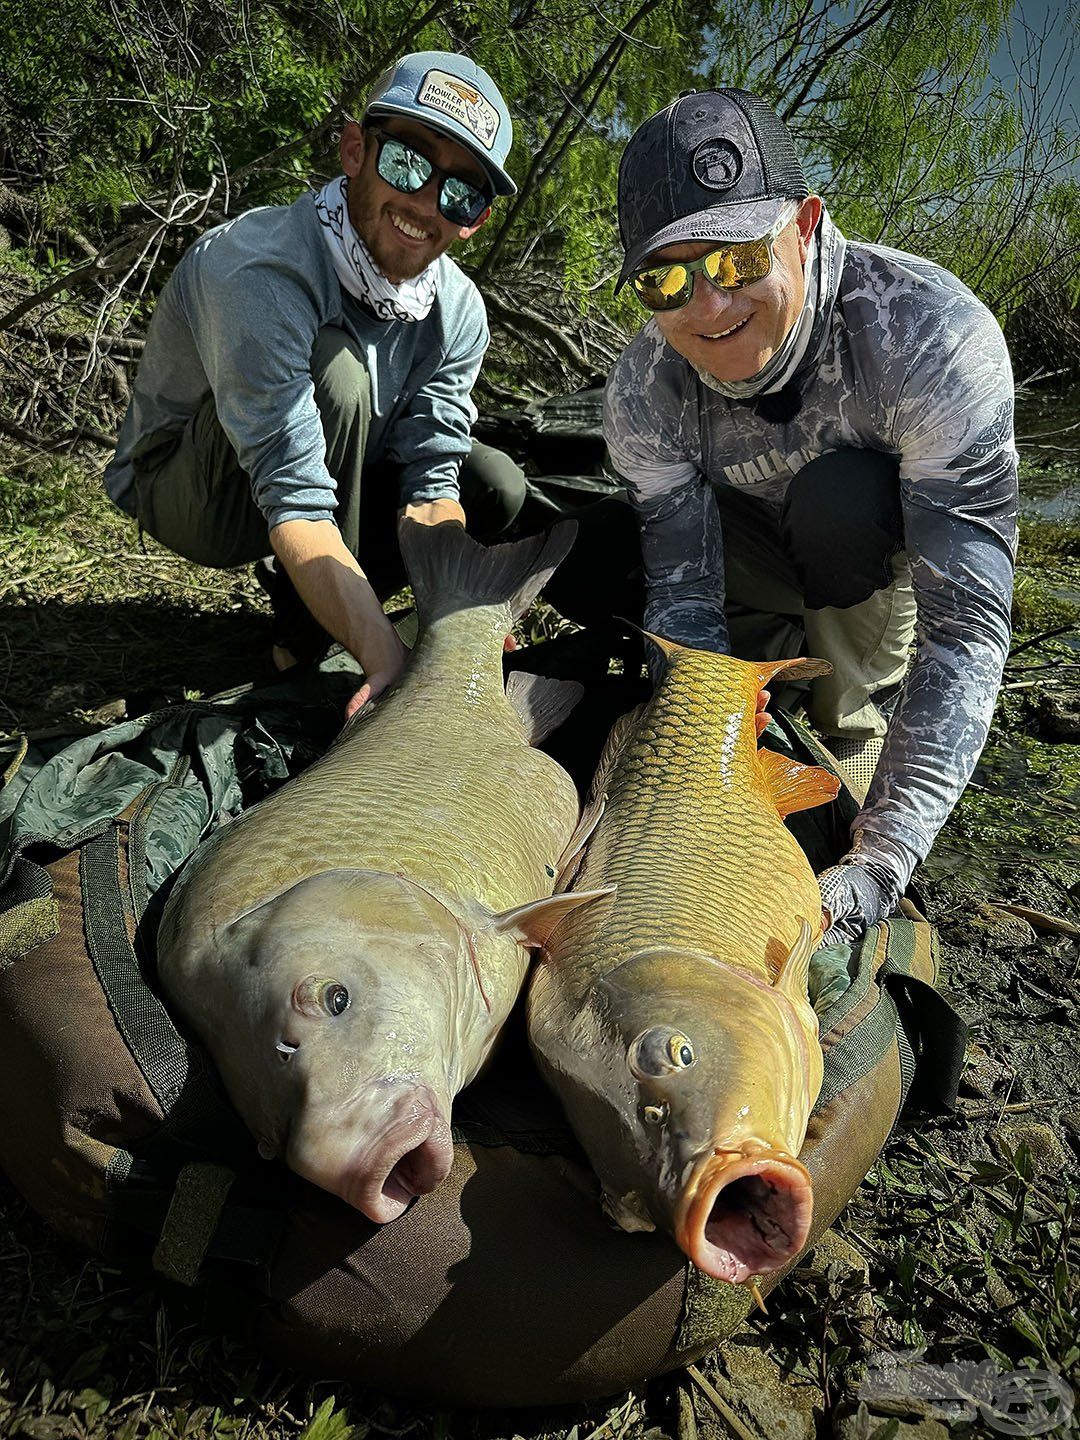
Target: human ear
352, 148
806, 223
467, 230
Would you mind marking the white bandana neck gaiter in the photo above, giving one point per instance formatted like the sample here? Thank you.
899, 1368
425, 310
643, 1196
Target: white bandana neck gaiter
356, 269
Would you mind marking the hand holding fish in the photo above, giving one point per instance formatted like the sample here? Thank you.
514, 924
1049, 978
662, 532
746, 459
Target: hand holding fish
383, 660
855, 894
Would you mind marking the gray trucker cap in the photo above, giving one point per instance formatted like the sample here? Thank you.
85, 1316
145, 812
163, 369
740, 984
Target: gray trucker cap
455, 96
713, 165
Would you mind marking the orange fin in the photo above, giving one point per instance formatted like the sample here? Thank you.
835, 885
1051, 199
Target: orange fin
794, 786
800, 669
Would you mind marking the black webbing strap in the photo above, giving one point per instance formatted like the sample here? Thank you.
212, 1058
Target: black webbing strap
936, 1034
150, 1035
176, 1073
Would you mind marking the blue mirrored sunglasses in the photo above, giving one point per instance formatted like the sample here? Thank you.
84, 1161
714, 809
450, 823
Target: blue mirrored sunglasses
459, 201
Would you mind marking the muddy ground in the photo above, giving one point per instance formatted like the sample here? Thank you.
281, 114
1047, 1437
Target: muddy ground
961, 1247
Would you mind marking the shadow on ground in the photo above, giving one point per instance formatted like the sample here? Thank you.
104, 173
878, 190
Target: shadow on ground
62, 660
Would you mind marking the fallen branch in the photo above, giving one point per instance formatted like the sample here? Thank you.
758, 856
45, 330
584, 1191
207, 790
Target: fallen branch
1038, 919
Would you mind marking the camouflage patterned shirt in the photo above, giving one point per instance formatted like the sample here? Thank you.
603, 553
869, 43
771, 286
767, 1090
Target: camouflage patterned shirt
908, 362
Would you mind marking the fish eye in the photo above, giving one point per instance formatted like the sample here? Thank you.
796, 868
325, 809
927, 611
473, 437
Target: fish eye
660, 1051
316, 996
336, 998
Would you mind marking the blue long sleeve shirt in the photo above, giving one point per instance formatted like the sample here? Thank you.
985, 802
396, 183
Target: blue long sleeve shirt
239, 317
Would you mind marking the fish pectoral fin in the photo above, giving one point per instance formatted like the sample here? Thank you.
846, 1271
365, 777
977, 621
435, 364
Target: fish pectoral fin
628, 1212
795, 786
534, 924
794, 977
541, 703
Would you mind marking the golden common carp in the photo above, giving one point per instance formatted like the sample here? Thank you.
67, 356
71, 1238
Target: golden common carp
349, 948
673, 1019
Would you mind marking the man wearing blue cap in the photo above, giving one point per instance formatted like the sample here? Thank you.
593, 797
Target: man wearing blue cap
817, 439
308, 372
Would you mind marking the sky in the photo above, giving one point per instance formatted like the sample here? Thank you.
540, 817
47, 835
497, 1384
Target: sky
1060, 21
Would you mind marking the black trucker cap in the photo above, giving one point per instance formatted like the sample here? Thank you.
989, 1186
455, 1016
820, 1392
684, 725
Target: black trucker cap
714, 165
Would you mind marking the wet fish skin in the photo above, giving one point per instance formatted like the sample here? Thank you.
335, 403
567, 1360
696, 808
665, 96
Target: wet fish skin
673, 1019
349, 948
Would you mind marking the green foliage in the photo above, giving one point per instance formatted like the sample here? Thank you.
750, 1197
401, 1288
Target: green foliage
114, 113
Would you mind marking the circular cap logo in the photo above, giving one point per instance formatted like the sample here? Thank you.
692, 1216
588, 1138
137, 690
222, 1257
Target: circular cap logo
717, 164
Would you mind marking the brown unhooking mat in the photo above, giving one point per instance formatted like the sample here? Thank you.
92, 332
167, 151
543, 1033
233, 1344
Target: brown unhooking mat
504, 1287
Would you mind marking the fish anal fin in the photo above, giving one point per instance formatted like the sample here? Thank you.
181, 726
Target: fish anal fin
794, 786
533, 925
541, 703
801, 668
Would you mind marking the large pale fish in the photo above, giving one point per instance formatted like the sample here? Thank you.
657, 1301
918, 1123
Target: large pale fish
673, 1018
349, 948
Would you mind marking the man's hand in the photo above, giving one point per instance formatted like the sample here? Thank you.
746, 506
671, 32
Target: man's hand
434, 512
855, 895
331, 584
383, 661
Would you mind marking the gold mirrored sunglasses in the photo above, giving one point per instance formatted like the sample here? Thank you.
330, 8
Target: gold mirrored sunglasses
668, 287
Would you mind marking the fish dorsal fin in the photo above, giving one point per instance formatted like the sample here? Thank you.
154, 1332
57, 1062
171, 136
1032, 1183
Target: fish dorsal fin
613, 748
667, 648
794, 978
799, 669
794, 786
542, 704
534, 924
570, 859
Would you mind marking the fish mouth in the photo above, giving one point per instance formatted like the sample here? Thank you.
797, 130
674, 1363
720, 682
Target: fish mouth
746, 1215
412, 1157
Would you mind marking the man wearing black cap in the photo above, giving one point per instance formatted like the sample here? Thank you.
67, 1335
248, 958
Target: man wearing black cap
308, 371
817, 438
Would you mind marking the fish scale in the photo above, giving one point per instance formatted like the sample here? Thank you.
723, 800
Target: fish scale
689, 768
506, 805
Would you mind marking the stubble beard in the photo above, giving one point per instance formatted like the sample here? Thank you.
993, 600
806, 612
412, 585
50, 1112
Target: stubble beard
394, 264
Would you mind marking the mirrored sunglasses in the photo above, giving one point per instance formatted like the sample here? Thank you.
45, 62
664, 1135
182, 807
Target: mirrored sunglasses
459, 201
668, 287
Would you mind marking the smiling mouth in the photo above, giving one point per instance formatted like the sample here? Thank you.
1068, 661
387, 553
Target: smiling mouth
731, 330
407, 229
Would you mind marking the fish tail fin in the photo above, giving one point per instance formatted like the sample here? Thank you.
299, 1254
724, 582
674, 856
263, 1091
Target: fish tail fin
450, 571
795, 786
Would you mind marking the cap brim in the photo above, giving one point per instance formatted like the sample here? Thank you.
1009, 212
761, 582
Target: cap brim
729, 224
500, 180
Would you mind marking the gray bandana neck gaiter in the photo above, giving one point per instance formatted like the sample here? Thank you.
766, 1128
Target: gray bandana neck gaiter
807, 337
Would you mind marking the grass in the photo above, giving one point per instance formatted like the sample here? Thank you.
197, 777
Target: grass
962, 1240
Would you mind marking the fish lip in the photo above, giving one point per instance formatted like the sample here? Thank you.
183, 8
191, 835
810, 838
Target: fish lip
762, 1229
411, 1156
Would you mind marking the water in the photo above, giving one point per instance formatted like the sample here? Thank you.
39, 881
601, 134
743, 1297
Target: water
1048, 437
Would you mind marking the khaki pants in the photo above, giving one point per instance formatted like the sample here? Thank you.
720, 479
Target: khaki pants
192, 494
867, 644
